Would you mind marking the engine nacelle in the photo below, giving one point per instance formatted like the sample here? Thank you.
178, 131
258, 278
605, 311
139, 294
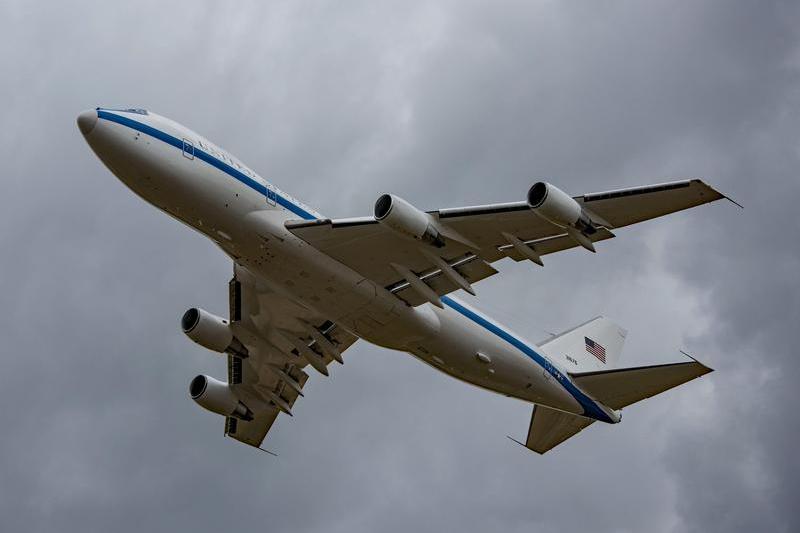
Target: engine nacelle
404, 218
556, 206
212, 332
217, 397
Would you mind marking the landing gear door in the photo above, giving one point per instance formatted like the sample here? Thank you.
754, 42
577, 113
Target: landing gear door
272, 196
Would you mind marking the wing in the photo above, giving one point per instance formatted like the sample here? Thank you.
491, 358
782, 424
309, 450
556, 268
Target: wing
481, 235
281, 339
550, 427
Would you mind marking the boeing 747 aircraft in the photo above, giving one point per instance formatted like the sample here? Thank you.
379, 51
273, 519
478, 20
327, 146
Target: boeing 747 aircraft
306, 287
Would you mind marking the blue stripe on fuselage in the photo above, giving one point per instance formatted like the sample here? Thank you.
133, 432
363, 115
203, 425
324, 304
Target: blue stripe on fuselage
590, 408
206, 157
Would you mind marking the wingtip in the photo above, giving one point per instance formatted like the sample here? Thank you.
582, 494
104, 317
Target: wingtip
721, 194
512, 439
521, 444
707, 368
259, 448
734, 202
273, 454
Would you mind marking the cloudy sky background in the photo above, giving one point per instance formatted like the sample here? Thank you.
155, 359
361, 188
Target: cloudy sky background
447, 104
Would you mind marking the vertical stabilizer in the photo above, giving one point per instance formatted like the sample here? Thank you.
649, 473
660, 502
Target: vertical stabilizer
592, 346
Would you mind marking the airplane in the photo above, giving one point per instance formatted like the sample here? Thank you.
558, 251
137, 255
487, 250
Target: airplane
306, 287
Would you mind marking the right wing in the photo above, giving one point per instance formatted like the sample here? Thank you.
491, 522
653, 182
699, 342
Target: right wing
417, 272
282, 339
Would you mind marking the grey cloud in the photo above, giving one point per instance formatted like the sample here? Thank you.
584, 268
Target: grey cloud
446, 104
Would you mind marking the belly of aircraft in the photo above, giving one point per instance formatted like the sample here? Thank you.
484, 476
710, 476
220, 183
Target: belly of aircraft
472, 354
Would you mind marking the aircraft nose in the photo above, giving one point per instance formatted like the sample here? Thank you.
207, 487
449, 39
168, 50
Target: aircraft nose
87, 121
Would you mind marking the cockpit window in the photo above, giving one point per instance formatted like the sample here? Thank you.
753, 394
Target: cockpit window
136, 110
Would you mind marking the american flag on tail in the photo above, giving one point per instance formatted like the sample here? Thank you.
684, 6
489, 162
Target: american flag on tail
595, 349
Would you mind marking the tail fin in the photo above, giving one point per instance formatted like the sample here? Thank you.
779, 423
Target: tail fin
622, 387
592, 346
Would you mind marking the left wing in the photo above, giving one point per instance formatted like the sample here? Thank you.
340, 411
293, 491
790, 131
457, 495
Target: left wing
282, 339
459, 245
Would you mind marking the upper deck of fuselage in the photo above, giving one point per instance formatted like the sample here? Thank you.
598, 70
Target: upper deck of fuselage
186, 142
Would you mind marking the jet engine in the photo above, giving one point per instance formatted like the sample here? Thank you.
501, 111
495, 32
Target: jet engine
212, 332
406, 219
556, 206
217, 397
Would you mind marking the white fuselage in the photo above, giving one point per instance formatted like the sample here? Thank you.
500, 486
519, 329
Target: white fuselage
187, 176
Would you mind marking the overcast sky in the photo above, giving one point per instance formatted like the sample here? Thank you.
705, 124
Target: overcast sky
446, 104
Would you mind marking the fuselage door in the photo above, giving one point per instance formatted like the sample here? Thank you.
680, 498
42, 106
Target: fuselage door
272, 196
548, 368
188, 149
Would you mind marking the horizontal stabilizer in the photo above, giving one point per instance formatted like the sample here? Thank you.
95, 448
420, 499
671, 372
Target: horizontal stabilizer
625, 386
550, 427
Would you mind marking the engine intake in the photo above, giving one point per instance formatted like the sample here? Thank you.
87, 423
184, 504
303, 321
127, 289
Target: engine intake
217, 397
212, 332
406, 219
556, 206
